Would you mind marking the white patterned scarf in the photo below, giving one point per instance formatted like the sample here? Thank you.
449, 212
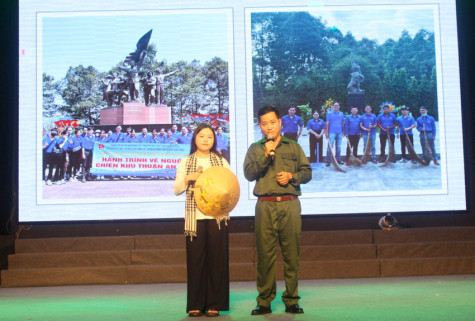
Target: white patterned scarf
190, 205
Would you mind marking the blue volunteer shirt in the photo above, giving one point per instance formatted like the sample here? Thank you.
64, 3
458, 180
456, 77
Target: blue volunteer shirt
385, 122
184, 139
130, 139
316, 125
291, 125
158, 140
50, 144
76, 142
87, 142
169, 140
405, 123
144, 138
352, 125
222, 142
429, 123
116, 138
67, 145
335, 122
368, 120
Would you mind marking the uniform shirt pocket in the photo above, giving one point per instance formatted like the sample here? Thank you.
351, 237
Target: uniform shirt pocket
289, 161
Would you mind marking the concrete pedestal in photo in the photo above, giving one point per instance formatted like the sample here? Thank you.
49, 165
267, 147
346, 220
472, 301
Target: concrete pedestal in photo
134, 113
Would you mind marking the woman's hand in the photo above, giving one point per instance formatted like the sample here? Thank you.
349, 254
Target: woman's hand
191, 177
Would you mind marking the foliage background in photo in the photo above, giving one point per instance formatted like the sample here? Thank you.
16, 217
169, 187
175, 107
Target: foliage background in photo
298, 59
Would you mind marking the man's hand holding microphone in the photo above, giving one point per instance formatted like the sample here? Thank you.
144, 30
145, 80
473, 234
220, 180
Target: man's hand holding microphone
283, 178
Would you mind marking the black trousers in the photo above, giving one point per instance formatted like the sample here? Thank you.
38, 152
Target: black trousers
75, 160
207, 265
292, 136
382, 140
313, 148
53, 161
354, 140
403, 144
87, 164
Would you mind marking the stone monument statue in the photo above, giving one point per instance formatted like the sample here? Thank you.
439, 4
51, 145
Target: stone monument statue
356, 78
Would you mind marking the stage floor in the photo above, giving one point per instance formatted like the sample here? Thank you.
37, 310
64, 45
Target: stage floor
409, 298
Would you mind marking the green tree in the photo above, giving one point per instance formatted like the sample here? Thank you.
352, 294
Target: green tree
51, 107
217, 84
82, 94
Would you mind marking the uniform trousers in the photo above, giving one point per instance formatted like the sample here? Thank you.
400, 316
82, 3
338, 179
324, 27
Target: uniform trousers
354, 140
403, 144
431, 145
316, 153
382, 140
207, 265
277, 223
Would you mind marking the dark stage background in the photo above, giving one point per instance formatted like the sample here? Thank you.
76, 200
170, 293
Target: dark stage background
10, 141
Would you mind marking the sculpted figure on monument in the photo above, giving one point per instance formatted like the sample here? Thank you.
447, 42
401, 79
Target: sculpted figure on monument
160, 79
132, 79
356, 78
150, 87
114, 88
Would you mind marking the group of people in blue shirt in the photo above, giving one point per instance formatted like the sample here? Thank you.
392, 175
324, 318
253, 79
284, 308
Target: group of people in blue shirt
354, 127
66, 155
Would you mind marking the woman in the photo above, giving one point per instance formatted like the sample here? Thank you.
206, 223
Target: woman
207, 256
316, 128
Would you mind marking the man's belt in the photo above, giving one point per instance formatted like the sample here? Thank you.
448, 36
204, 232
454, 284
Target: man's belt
277, 199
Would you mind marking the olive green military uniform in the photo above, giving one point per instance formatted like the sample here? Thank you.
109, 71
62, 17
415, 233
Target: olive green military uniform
277, 221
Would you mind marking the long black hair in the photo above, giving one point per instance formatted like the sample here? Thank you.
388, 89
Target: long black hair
196, 132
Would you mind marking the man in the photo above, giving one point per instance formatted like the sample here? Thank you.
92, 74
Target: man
117, 136
405, 125
76, 156
292, 125
352, 133
368, 125
160, 139
315, 128
51, 156
426, 123
185, 137
175, 132
65, 142
222, 143
386, 122
87, 144
191, 129
335, 123
144, 137
67, 156
102, 136
279, 166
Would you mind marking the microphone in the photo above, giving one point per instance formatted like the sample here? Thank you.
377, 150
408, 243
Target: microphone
198, 170
270, 137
